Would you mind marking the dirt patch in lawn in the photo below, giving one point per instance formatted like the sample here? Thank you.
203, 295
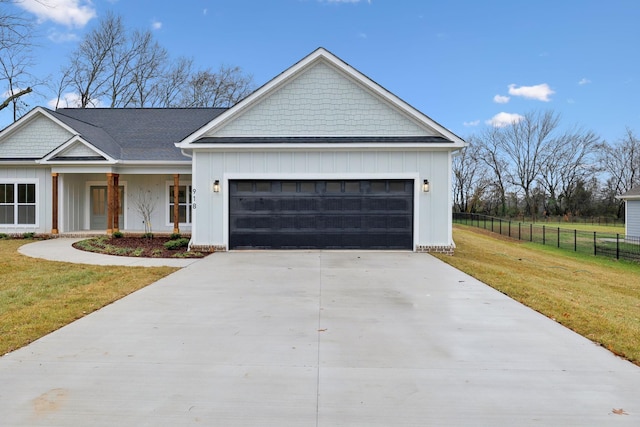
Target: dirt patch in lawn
138, 247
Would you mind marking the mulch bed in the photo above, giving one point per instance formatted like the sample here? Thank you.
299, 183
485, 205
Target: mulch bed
136, 247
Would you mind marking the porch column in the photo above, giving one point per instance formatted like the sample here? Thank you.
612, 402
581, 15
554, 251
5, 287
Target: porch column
116, 202
110, 203
54, 203
176, 201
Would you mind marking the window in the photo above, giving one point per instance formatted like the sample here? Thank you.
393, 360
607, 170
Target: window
17, 203
184, 204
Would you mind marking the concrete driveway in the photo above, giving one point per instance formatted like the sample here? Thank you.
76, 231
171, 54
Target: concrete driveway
317, 339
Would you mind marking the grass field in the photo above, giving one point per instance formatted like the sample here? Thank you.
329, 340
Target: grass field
38, 297
598, 298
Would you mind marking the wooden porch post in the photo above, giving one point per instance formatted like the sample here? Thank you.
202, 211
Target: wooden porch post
110, 203
176, 201
54, 196
116, 202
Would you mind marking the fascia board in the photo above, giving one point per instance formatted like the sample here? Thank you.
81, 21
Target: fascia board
69, 143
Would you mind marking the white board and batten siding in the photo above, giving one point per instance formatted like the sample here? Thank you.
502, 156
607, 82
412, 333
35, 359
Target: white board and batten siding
632, 218
432, 217
41, 176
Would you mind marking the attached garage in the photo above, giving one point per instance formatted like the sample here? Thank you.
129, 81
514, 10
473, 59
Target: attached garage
321, 214
322, 157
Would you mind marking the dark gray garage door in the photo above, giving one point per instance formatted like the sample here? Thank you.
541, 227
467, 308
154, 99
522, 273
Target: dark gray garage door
345, 214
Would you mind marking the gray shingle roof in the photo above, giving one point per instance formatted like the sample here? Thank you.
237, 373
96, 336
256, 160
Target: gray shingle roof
137, 133
634, 192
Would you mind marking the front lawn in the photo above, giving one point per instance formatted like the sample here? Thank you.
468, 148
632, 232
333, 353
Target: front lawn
597, 297
38, 296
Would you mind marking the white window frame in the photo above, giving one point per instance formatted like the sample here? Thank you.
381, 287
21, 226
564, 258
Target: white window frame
15, 203
169, 204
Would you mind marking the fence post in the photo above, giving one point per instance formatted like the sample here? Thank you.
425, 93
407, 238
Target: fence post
500, 227
519, 230
558, 236
575, 240
544, 235
509, 228
617, 246
595, 247
492, 224
531, 232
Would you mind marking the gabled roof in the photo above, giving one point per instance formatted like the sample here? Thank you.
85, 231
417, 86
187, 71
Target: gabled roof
634, 193
203, 136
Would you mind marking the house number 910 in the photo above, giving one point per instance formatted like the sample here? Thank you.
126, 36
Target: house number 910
193, 199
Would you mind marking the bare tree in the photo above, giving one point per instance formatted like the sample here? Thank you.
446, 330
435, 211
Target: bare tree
223, 88
491, 154
469, 178
620, 161
145, 204
168, 87
569, 160
91, 67
147, 70
525, 143
15, 58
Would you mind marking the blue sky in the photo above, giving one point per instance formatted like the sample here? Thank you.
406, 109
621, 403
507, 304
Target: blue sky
466, 64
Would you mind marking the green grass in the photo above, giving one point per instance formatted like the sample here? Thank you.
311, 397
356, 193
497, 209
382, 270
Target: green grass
38, 297
597, 297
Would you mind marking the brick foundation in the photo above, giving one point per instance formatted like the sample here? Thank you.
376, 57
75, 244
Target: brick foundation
447, 250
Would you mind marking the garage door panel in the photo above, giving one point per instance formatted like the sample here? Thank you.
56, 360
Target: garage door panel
335, 214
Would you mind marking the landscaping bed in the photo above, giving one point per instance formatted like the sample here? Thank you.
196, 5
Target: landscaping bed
134, 246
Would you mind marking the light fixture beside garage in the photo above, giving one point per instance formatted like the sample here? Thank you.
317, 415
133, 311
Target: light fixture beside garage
216, 186
425, 186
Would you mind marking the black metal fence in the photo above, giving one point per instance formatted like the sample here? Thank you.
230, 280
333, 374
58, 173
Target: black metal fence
612, 245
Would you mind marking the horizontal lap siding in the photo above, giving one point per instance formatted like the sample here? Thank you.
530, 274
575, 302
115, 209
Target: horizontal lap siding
633, 218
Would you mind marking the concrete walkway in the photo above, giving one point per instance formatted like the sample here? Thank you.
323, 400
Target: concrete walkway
60, 249
317, 339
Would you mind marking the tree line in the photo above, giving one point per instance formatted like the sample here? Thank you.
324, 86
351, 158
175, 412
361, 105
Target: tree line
115, 67
536, 167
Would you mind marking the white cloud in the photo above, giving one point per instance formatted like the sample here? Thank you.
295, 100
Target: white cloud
501, 120
71, 100
539, 92
584, 81
472, 123
205, 11
156, 25
501, 99
362, 35
71, 13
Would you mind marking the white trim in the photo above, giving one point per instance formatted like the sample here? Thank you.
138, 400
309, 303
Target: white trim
169, 199
17, 181
77, 139
226, 177
346, 146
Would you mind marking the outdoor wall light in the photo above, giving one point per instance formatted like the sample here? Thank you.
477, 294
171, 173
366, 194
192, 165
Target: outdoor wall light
425, 186
216, 186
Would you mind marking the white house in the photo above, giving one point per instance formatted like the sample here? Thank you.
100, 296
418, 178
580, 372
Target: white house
632, 211
319, 157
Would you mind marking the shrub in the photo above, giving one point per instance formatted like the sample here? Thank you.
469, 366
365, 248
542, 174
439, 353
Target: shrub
29, 235
175, 236
3, 236
117, 234
177, 244
147, 236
